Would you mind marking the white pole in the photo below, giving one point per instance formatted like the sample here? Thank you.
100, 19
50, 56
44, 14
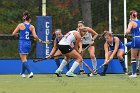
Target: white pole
110, 25
125, 40
43, 7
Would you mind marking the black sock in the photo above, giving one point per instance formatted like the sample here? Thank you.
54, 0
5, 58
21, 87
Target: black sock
57, 62
105, 68
123, 65
67, 67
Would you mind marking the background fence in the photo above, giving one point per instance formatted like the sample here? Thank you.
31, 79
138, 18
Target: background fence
9, 47
65, 14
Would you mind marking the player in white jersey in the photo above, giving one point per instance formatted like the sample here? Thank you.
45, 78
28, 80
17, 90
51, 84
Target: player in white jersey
65, 47
87, 39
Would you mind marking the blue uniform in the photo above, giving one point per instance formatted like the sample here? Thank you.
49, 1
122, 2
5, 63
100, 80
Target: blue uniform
112, 46
24, 44
136, 35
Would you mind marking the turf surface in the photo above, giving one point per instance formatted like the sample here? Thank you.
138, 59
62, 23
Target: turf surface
49, 83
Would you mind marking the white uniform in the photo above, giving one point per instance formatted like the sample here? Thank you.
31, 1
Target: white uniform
87, 38
68, 39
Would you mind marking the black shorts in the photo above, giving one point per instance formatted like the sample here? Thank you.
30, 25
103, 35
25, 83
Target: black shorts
84, 45
65, 49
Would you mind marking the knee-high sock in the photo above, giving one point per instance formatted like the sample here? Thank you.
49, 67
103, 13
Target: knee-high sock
81, 66
27, 67
123, 65
105, 68
23, 68
74, 66
64, 62
134, 66
67, 67
57, 62
94, 63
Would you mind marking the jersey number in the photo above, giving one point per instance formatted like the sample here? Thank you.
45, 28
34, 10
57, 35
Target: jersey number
27, 35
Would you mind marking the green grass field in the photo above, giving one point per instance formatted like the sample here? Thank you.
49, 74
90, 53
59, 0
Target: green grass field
49, 83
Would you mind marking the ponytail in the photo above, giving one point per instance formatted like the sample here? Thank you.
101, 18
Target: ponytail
26, 15
133, 13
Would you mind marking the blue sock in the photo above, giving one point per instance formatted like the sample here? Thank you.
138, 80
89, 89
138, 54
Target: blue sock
134, 66
27, 67
105, 68
123, 65
23, 68
57, 62
67, 67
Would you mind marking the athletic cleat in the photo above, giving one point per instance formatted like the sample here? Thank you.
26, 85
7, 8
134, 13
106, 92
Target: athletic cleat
70, 74
126, 73
102, 74
58, 73
90, 75
81, 72
30, 75
129, 73
133, 76
23, 76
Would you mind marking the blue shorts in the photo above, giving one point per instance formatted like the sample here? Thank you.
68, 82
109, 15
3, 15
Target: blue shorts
135, 43
120, 48
24, 46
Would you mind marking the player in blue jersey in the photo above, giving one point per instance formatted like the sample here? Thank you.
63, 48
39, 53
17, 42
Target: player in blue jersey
25, 29
55, 51
138, 61
134, 29
112, 46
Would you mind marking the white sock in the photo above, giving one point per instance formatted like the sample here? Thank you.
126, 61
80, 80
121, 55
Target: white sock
74, 66
94, 63
64, 63
81, 66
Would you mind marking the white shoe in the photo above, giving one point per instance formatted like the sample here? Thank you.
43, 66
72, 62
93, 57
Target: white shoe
91, 75
70, 74
133, 76
30, 75
23, 76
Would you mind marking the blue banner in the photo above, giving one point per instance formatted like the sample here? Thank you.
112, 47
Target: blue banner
48, 66
44, 32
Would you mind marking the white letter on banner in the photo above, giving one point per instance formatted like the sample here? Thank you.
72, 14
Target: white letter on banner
47, 35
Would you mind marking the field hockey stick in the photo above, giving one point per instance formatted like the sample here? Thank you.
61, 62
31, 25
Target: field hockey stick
127, 52
45, 42
98, 68
101, 36
86, 48
88, 67
40, 59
